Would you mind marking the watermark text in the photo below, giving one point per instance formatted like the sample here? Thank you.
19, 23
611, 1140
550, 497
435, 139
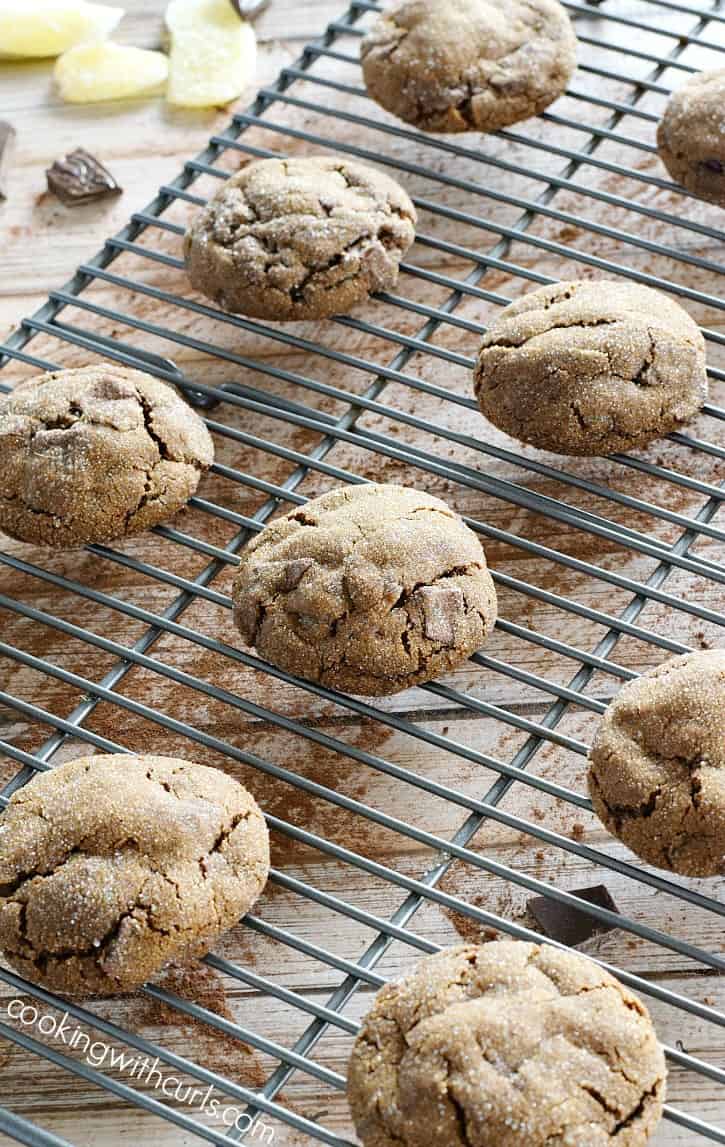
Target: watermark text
97, 1053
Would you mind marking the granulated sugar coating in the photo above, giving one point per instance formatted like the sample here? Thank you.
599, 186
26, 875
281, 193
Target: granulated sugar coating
657, 765
369, 589
506, 1045
468, 65
288, 239
691, 135
112, 865
591, 367
94, 454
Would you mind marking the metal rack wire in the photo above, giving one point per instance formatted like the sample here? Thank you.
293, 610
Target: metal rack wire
567, 206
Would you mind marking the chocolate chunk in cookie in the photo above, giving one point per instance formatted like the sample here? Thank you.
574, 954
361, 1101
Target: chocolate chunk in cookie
112, 865
591, 367
288, 239
468, 65
369, 588
94, 454
506, 1045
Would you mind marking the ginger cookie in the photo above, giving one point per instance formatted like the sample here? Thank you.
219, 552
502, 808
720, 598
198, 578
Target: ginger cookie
113, 865
468, 65
657, 765
368, 589
691, 136
97, 453
591, 367
506, 1044
288, 239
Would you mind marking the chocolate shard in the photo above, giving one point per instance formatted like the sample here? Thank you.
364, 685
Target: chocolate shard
294, 572
568, 924
80, 178
7, 144
443, 608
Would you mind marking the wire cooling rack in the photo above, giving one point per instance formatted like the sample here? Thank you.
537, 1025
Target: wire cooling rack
398, 825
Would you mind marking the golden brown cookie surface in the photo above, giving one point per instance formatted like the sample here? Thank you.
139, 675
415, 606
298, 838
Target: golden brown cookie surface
657, 765
288, 239
369, 589
468, 65
591, 367
506, 1044
96, 453
112, 865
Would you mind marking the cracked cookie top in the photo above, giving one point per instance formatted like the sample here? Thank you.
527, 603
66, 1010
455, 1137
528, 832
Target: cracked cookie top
368, 589
691, 135
506, 1044
657, 765
287, 239
112, 865
468, 65
95, 454
591, 367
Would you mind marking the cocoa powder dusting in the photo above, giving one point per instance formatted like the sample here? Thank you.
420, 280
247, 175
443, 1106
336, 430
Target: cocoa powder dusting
214, 1049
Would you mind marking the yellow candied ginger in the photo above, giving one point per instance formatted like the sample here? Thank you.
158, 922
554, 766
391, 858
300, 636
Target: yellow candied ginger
213, 53
42, 28
108, 71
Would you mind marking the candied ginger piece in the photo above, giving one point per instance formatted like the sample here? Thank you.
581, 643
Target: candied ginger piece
213, 53
42, 28
108, 71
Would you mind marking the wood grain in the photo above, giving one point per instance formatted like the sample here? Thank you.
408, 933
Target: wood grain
145, 144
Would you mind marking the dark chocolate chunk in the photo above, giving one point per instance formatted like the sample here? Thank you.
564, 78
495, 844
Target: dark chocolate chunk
715, 165
294, 572
568, 924
7, 143
443, 607
79, 178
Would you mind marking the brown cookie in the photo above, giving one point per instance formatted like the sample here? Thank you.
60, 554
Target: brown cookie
591, 367
691, 135
657, 765
288, 239
112, 865
368, 589
506, 1045
94, 454
468, 65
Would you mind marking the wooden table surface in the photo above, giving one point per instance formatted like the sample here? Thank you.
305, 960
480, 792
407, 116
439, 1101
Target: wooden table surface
145, 143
